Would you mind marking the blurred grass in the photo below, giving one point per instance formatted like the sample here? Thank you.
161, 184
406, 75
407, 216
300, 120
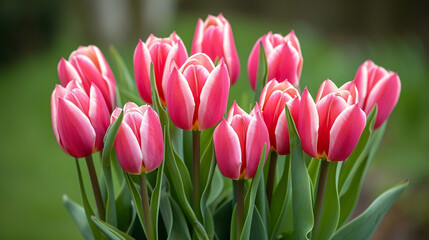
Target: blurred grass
34, 172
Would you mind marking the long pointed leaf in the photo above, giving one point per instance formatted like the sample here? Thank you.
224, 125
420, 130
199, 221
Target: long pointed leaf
112, 232
261, 78
78, 214
155, 199
124, 77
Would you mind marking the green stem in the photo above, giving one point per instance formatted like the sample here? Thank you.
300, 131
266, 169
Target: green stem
95, 187
320, 193
146, 208
196, 135
240, 206
271, 176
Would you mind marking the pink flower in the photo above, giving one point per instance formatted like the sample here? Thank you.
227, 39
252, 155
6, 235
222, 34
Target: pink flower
163, 54
88, 66
197, 93
139, 143
214, 38
341, 121
79, 121
239, 142
378, 86
284, 58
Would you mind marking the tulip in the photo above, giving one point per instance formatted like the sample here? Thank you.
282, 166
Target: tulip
378, 86
197, 93
239, 141
163, 54
79, 121
341, 121
284, 58
214, 38
139, 143
88, 66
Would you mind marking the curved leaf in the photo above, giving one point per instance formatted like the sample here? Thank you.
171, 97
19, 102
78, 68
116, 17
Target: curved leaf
124, 76
155, 199
112, 232
78, 214
262, 75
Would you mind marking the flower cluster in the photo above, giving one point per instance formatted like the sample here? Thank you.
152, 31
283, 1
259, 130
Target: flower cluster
193, 94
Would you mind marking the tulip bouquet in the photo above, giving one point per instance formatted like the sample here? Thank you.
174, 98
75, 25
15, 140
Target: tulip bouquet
181, 166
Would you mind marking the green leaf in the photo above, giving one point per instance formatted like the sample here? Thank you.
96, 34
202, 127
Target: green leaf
216, 187
155, 199
179, 228
358, 154
208, 165
301, 189
222, 225
363, 226
249, 200
330, 211
123, 208
262, 75
137, 200
124, 78
128, 96
87, 207
280, 201
109, 140
78, 214
313, 172
350, 196
258, 230
112, 232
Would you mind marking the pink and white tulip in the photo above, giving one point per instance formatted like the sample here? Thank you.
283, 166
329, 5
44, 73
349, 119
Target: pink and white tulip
214, 38
239, 141
284, 58
378, 86
79, 121
197, 93
139, 143
163, 54
341, 121
88, 66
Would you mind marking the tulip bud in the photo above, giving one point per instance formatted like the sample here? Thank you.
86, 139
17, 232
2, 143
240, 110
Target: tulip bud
378, 86
197, 93
139, 143
163, 54
88, 66
79, 121
239, 141
284, 58
341, 121
214, 38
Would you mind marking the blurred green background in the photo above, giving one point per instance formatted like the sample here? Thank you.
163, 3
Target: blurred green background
336, 37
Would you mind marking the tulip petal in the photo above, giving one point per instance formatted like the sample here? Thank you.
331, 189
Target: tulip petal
282, 145
214, 97
283, 63
252, 64
308, 124
75, 130
213, 42
257, 136
227, 149
385, 94
345, 133
99, 116
361, 81
67, 72
142, 61
199, 59
176, 57
180, 102
198, 37
326, 88
128, 150
152, 143
230, 53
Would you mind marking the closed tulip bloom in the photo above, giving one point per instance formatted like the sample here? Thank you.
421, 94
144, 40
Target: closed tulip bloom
88, 66
378, 86
341, 121
214, 38
239, 141
197, 93
284, 58
139, 143
79, 121
163, 54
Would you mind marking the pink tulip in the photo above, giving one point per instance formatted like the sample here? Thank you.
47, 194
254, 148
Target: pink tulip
197, 93
214, 38
341, 121
79, 121
284, 58
139, 143
88, 66
239, 142
163, 54
378, 86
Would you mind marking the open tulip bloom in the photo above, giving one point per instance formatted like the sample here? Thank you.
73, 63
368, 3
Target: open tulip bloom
186, 157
